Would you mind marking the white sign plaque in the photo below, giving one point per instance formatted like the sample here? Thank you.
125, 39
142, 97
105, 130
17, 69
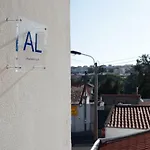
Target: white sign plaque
30, 44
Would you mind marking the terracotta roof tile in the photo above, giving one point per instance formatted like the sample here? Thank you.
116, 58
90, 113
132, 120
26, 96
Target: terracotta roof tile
139, 141
76, 93
136, 117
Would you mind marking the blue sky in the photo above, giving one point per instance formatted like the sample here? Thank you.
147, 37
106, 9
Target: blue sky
112, 31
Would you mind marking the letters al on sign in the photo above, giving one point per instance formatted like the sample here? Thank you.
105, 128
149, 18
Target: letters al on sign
30, 43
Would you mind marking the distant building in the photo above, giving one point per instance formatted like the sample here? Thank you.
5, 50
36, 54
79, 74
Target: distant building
114, 99
77, 92
82, 109
101, 104
79, 69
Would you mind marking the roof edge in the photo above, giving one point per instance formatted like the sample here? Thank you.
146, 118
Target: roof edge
109, 116
120, 95
126, 128
116, 139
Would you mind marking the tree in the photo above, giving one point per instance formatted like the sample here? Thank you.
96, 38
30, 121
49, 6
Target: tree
111, 84
91, 69
110, 70
142, 70
78, 80
130, 84
101, 69
143, 64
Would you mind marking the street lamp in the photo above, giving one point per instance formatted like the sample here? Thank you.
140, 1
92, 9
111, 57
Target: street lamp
95, 92
79, 53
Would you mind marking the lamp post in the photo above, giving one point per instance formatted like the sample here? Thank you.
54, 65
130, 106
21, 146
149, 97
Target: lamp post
95, 92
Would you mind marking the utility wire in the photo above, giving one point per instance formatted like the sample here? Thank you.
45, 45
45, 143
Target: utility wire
115, 62
120, 60
125, 62
112, 61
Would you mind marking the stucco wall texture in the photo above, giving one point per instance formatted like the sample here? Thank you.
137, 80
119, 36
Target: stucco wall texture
35, 104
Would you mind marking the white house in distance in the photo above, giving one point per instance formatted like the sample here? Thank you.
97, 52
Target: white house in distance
80, 111
78, 92
127, 119
34, 91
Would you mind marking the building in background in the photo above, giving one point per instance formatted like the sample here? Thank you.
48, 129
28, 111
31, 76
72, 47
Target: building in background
114, 99
34, 91
82, 109
78, 94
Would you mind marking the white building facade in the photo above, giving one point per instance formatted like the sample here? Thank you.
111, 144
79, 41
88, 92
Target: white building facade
119, 132
35, 75
79, 120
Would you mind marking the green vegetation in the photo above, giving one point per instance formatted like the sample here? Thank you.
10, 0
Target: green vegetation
115, 84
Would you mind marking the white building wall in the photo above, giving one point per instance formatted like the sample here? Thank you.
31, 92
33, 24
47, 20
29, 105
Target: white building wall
88, 99
35, 105
117, 132
78, 121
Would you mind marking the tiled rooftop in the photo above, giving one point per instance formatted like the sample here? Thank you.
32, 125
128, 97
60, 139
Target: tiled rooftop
76, 93
140, 141
136, 117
